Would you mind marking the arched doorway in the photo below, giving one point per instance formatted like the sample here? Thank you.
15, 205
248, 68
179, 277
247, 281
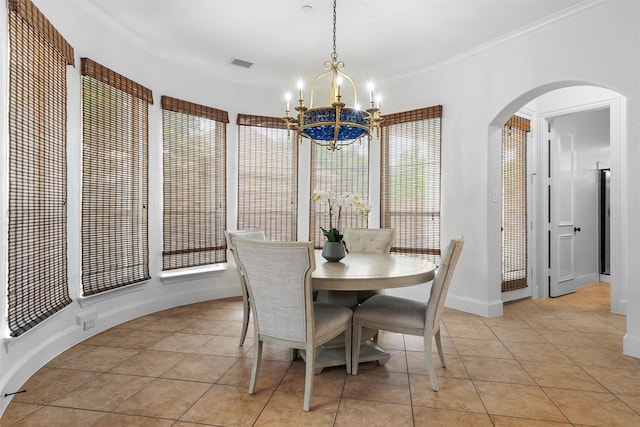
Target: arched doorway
544, 104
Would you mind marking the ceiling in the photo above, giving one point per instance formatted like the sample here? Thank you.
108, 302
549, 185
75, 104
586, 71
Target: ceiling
377, 40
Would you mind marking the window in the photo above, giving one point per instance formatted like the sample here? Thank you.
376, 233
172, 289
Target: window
342, 171
410, 180
267, 177
37, 243
115, 250
194, 184
514, 203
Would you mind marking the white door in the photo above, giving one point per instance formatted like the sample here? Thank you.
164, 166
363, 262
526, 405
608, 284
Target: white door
563, 162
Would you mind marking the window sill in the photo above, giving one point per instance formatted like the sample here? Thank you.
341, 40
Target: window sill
187, 274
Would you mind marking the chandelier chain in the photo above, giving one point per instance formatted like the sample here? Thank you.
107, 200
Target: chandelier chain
334, 55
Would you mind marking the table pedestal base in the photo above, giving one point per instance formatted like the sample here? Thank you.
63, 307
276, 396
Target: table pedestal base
329, 356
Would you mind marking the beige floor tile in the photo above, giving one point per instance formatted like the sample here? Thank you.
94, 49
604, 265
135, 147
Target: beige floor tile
224, 346
511, 334
454, 393
164, 399
330, 382
103, 393
418, 365
127, 338
69, 354
49, 384
595, 356
391, 340
593, 409
121, 420
16, 411
270, 375
610, 341
285, 409
434, 417
499, 370
573, 339
469, 330
500, 421
549, 325
632, 401
222, 314
211, 327
100, 359
618, 381
508, 320
397, 362
200, 367
148, 363
376, 384
416, 343
181, 343
50, 416
537, 352
224, 405
481, 348
205, 374
368, 413
562, 376
517, 400
270, 351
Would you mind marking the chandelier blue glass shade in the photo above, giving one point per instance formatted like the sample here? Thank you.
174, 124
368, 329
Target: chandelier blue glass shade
320, 124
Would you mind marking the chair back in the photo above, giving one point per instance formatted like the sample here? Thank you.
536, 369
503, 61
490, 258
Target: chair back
441, 283
230, 236
370, 240
278, 277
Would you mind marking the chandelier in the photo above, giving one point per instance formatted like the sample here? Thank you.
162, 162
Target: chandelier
336, 125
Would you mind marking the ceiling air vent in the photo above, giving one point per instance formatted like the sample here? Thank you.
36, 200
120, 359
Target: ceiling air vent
241, 63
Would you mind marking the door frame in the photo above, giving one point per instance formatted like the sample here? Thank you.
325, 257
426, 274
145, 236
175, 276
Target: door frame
618, 239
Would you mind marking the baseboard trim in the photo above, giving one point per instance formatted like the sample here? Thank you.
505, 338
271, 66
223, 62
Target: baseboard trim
469, 305
631, 346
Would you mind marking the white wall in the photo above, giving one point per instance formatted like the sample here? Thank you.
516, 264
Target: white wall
479, 92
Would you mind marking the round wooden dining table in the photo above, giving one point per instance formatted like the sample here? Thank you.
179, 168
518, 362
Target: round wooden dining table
338, 283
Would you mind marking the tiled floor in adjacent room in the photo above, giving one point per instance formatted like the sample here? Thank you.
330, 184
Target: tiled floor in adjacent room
547, 362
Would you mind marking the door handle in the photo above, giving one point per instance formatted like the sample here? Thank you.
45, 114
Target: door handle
576, 229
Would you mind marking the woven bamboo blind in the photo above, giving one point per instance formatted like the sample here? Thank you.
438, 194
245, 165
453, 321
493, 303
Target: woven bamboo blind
410, 180
115, 250
194, 189
342, 171
37, 284
267, 177
514, 203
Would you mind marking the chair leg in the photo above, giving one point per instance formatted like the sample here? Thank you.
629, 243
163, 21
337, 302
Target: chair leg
439, 346
245, 321
355, 345
348, 347
308, 377
429, 358
257, 356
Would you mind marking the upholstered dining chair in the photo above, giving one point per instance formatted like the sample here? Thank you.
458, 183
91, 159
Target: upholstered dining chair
278, 278
371, 240
258, 234
408, 316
